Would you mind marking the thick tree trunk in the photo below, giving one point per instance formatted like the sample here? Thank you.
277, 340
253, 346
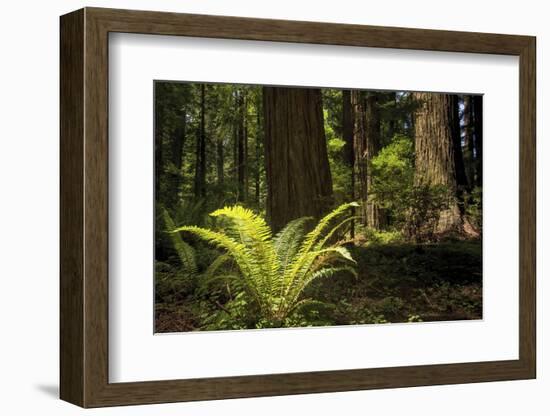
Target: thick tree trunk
478, 136
349, 154
434, 151
297, 167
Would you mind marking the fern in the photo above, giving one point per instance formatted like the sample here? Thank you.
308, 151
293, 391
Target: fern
275, 271
184, 251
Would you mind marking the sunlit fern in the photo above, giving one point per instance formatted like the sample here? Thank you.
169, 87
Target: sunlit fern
275, 270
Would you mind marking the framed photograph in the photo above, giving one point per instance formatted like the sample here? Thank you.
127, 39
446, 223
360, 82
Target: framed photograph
255, 207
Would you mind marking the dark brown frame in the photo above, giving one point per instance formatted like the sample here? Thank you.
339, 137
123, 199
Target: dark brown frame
84, 209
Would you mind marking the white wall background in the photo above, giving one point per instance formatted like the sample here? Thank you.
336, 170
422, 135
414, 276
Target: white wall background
29, 159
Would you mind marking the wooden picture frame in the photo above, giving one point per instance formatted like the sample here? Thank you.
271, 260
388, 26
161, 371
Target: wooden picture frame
84, 207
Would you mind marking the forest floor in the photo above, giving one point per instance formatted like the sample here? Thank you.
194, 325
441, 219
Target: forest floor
396, 282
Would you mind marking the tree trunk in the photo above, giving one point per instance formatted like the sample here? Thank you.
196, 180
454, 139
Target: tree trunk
219, 161
297, 167
178, 141
478, 136
159, 168
360, 152
241, 148
349, 154
200, 167
375, 217
460, 173
258, 153
434, 151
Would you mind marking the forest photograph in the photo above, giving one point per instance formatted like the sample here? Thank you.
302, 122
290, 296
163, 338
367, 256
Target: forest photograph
282, 207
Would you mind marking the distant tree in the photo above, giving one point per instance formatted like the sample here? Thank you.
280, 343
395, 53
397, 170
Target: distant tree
348, 121
374, 214
460, 173
360, 150
468, 128
200, 165
242, 146
478, 138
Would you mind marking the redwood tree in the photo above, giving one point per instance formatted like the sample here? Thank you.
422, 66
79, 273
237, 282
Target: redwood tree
366, 115
360, 151
299, 181
435, 125
242, 147
374, 215
200, 156
348, 121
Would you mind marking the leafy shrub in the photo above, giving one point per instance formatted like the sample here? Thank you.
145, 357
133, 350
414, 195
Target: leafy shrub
374, 236
414, 208
392, 172
473, 207
272, 272
425, 204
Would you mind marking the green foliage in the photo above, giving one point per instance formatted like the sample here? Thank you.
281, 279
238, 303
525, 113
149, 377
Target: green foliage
425, 206
393, 174
473, 207
185, 252
414, 208
340, 171
274, 271
374, 236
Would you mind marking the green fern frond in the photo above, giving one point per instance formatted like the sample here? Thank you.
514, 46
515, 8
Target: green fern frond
324, 273
185, 252
307, 254
216, 264
238, 251
256, 236
331, 233
287, 241
274, 270
340, 251
318, 231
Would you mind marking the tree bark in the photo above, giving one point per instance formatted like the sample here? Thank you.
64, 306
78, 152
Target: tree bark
434, 151
374, 215
177, 143
258, 153
200, 168
460, 173
297, 168
220, 161
349, 153
360, 152
159, 168
241, 148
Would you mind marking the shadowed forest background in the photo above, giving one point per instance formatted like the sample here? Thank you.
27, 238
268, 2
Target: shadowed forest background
286, 207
